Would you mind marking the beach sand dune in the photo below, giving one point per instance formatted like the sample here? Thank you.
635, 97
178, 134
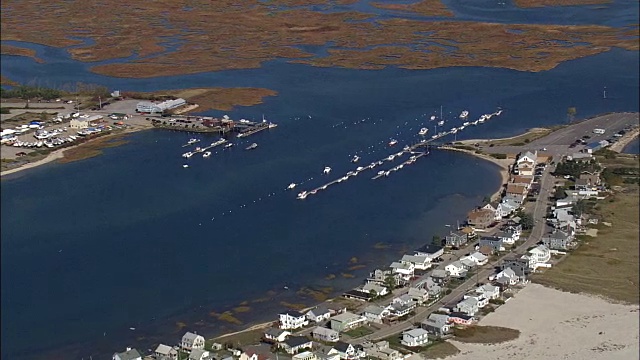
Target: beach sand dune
560, 325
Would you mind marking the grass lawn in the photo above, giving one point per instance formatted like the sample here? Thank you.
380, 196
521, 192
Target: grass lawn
606, 265
359, 332
440, 350
485, 334
243, 338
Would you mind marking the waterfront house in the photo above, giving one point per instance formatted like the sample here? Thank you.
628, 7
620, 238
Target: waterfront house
558, 240
192, 341
525, 168
335, 308
455, 269
375, 313
528, 157
456, 239
295, 344
437, 325
129, 354
305, 355
324, 334
399, 310
481, 299
506, 278
199, 354
431, 251
539, 255
332, 353
489, 291
347, 321
420, 295
292, 319
404, 299
256, 352
493, 241
508, 206
496, 207
405, 270
415, 337
276, 335
375, 289
357, 294
516, 192
318, 314
468, 306
419, 262
346, 350
480, 218
525, 180
380, 277
381, 350
165, 352
439, 276
461, 319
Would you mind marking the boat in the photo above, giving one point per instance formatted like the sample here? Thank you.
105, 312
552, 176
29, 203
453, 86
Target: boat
206, 154
252, 146
393, 142
454, 130
464, 114
435, 136
219, 142
351, 173
272, 125
187, 155
345, 178
192, 141
381, 172
406, 148
499, 112
433, 117
423, 131
391, 157
355, 159
198, 149
185, 165
302, 195
291, 186
466, 123
228, 145
359, 168
461, 128
326, 170
441, 122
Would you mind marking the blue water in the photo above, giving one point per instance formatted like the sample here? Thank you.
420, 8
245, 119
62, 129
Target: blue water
132, 239
633, 147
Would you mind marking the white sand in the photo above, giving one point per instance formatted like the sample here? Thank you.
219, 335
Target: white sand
559, 325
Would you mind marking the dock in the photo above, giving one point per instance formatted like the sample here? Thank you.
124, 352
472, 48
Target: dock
214, 144
254, 129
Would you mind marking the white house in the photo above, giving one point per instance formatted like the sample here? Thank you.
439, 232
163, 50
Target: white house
346, 350
381, 350
455, 269
489, 291
167, 351
468, 306
199, 354
507, 277
129, 354
530, 157
508, 238
419, 295
539, 255
375, 313
477, 258
347, 321
295, 344
276, 335
318, 314
420, 262
482, 301
305, 355
324, 334
292, 320
431, 251
192, 341
496, 208
373, 288
415, 337
406, 270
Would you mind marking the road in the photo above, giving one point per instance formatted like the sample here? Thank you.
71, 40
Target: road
538, 230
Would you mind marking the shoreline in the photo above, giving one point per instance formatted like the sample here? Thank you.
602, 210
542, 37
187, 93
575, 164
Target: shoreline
625, 140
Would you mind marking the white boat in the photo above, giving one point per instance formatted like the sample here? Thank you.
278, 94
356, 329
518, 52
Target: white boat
433, 117
219, 142
291, 186
359, 168
355, 159
423, 131
393, 142
192, 141
381, 172
187, 155
454, 130
499, 112
461, 128
326, 170
185, 166
206, 154
391, 157
351, 173
228, 145
252, 146
441, 122
464, 114
406, 148
302, 195
344, 178
466, 123
435, 136
198, 149
475, 122
272, 125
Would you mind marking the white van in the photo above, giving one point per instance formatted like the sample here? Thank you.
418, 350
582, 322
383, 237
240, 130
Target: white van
598, 131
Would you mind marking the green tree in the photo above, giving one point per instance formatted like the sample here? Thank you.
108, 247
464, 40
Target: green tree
390, 282
486, 199
436, 240
571, 113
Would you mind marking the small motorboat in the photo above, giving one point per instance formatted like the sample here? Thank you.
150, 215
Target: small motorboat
206, 154
291, 186
393, 142
228, 145
355, 159
326, 170
440, 123
185, 166
433, 117
464, 114
423, 131
252, 146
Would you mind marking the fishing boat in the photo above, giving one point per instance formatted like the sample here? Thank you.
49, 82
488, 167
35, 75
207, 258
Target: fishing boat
423, 131
393, 142
355, 159
464, 114
291, 186
326, 170
206, 154
252, 146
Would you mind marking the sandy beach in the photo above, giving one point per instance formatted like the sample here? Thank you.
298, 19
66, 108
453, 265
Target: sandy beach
625, 140
502, 163
560, 325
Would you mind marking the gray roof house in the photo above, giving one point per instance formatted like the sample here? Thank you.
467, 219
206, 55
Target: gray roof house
129, 354
437, 325
558, 240
324, 334
166, 352
438, 276
468, 306
296, 343
494, 242
318, 314
192, 341
457, 239
375, 313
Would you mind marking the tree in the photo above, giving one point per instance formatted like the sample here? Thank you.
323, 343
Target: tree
486, 199
526, 220
390, 282
436, 240
571, 113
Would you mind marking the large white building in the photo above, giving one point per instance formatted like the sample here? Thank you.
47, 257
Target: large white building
292, 320
152, 107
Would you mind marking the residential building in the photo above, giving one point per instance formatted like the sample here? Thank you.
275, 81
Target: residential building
432, 285
496, 208
525, 180
477, 258
457, 239
525, 168
305, 355
84, 122
494, 242
166, 352
467, 263
375, 289
292, 320
129, 354
558, 240
507, 238
540, 255
419, 262
415, 337
375, 313
334, 355
324, 334
295, 344
380, 277
528, 157
461, 318
508, 206
381, 350
506, 278
357, 294
347, 321
519, 266
489, 291
192, 341
437, 325
318, 314
419, 295
431, 251
257, 352
439, 276
276, 335
455, 269
516, 193
481, 218
346, 350
591, 178
406, 270
481, 300
468, 306
199, 354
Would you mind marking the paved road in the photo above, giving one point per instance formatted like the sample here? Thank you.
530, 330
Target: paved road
557, 143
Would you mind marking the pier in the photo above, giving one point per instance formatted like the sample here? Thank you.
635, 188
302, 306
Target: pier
254, 129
